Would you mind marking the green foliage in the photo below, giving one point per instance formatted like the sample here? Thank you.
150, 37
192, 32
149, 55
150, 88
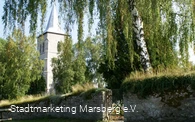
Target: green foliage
63, 72
79, 68
74, 66
168, 31
158, 84
165, 29
93, 51
90, 93
78, 88
122, 64
160, 25
23, 100
2, 43
20, 65
38, 86
11, 18
2, 65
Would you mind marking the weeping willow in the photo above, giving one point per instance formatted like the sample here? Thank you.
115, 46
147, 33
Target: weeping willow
160, 32
167, 25
164, 28
17, 11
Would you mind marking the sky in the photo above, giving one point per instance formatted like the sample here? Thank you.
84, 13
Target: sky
1, 14
74, 31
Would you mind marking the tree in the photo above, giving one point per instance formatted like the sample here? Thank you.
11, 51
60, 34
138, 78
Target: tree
139, 36
2, 66
63, 72
93, 50
20, 65
114, 76
79, 68
74, 67
2, 43
38, 86
164, 28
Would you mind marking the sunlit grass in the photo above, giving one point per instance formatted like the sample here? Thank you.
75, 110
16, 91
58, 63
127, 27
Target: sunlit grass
78, 88
25, 99
157, 83
171, 72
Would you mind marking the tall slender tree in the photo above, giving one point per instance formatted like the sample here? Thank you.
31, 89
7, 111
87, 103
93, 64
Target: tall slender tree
63, 73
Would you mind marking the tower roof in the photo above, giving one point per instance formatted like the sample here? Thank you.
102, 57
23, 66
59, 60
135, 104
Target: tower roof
53, 24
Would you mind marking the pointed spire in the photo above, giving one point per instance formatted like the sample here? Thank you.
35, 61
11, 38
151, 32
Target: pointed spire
53, 24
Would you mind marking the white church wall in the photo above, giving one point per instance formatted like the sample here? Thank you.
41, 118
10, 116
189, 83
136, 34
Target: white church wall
47, 45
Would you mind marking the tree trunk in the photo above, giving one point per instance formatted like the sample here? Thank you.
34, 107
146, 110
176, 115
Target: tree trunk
139, 37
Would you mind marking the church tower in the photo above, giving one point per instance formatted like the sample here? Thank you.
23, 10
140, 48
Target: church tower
47, 46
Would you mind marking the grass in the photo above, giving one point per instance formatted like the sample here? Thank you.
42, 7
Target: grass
172, 72
88, 94
147, 84
79, 88
85, 90
25, 99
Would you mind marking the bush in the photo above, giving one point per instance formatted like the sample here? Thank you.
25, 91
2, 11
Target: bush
38, 86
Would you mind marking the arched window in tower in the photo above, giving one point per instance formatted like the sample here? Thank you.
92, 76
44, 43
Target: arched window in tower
40, 48
58, 47
46, 44
43, 47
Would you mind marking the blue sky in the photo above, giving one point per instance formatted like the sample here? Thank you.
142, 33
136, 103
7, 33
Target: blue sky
1, 14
